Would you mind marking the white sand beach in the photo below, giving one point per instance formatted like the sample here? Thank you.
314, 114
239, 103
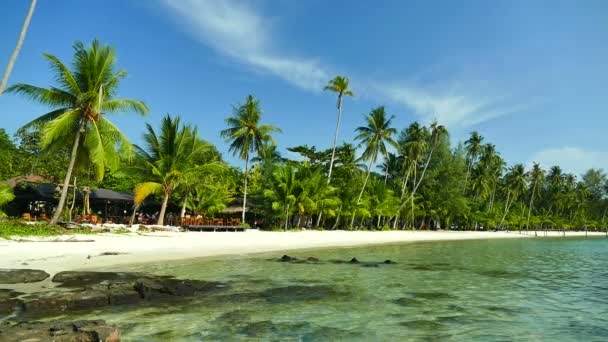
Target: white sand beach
52, 256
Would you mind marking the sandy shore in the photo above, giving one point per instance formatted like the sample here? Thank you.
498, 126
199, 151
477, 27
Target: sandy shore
135, 248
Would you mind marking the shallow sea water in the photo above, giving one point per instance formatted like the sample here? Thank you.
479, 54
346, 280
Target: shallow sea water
482, 290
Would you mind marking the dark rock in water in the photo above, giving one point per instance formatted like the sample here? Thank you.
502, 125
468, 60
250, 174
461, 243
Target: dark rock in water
312, 259
331, 334
299, 293
8, 301
354, 261
405, 301
88, 291
370, 265
431, 295
389, 262
83, 278
17, 276
79, 331
287, 258
257, 329
158, 288
422, 324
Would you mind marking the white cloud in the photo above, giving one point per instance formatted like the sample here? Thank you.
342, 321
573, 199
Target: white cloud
236, 29
571, 159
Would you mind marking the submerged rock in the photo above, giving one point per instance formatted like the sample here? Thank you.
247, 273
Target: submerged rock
94, 290
8, 301
17, 276
80, 331
389, 262
84, 278
287, 258
354, 261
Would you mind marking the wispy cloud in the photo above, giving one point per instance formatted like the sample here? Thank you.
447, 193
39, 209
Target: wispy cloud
571, 159
235, 29
238, 30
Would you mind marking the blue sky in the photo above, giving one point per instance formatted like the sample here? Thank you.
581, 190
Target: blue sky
530, 76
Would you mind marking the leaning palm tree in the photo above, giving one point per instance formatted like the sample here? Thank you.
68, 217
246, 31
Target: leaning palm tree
515, 182
11, 61
338, 84
80, 102
374, 137
247, 136
537, 174
165, 161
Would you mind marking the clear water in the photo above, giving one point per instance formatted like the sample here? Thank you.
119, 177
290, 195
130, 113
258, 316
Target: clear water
485, 290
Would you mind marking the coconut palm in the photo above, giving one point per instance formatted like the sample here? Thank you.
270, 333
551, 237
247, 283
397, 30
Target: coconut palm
246, 135
165, 160
80, 102
515, 182
375, 136
283, 190
473, 147
537, 174
11, 61
6, 195
338, 84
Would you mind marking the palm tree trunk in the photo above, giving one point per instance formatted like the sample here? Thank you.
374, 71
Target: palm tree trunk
378, 223
530, 208
73, 202
183, 212
338, 218
245, 190
333, 151
369, 170
319, 218
11, 61
507, 205
68, 175
286, 216
413, 221
163, 208
132, 219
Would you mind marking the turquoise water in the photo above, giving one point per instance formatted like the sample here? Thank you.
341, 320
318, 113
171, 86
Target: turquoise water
485, 290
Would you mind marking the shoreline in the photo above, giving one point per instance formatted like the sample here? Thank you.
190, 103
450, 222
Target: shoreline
53, 257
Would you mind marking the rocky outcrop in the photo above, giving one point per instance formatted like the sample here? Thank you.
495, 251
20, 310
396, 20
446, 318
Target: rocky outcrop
80, 331
93, 290
17, 276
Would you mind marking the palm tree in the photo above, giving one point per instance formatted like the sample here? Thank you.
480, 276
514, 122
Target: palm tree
11, 61
374, 136
437, 131
473, 147
515, 184
246, 135
536, 176
79, 104
165, 161
6, 195
338, 84
283, 191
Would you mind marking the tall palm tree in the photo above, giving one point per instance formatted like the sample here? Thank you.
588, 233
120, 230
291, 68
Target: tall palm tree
536, 176
515, 183
165, 160
437, 132
11, 61
246, 135
80, 102
374, 137
338, 84
473, 147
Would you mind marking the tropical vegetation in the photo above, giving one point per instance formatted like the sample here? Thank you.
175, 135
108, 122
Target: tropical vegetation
409, 177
